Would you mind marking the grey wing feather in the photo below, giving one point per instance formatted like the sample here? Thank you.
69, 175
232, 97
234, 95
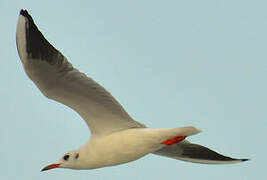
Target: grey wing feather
195, 153
59, 80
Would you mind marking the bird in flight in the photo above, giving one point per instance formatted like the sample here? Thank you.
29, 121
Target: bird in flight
116, 137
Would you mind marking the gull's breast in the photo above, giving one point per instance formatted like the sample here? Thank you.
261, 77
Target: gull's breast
121, 147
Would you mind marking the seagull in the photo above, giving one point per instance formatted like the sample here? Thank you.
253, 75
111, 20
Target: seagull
116, 137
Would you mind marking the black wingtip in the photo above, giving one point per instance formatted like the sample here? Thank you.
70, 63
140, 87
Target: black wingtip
24, 12
37, 47
243, 160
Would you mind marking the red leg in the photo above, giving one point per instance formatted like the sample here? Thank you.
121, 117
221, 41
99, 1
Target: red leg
173, 140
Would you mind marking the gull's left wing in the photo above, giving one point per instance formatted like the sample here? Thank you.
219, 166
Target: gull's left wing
59, 80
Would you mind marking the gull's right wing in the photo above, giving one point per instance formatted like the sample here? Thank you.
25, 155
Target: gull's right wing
195, 153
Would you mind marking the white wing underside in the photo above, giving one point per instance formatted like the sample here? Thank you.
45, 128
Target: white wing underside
59, 80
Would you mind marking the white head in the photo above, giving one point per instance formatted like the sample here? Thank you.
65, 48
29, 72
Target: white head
70, 160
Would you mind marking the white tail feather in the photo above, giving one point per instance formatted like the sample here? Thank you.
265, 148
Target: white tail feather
187, 131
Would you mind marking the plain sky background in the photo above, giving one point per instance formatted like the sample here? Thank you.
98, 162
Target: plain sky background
170, 64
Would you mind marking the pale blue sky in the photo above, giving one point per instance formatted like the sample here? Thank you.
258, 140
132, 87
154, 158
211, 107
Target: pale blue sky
170, 64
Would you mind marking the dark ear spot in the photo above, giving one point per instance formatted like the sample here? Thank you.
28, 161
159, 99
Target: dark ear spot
76, 156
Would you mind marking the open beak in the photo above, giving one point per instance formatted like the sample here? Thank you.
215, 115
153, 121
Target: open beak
51, 166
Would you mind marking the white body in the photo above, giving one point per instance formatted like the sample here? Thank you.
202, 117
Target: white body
125, 146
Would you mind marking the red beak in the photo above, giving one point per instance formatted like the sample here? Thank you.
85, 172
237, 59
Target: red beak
51, 166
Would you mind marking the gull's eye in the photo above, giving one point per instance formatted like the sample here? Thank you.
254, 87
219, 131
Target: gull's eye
66, 157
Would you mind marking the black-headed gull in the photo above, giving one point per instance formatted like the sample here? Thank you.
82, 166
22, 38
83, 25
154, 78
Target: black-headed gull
116, 138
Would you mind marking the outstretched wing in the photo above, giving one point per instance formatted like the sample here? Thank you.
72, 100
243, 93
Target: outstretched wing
59, 80
195, 153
